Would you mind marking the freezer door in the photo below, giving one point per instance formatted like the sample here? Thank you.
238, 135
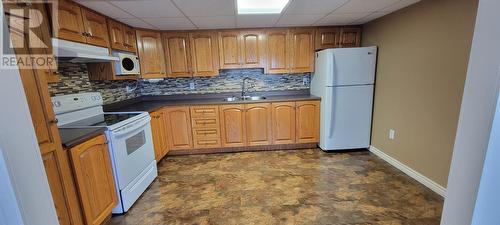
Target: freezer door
346, 115
354, 66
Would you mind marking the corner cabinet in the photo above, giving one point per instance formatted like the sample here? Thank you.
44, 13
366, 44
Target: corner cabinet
204, 53
307, 121
94, 178
151, 55
327, 37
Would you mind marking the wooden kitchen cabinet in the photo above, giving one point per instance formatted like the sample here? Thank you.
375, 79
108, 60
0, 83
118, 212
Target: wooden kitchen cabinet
129, 41
159, 131
307, 121
233, 125
327, 37
96, 28
258, 124
350, 37
278, 52
206, 126
151, 55
177, 53
229, 49
283, 122
178, 124
204, 53
121, 36
69, 24
302, 50
241, 49
94, 177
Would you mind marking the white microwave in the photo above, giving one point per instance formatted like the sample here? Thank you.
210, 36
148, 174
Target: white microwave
128, 64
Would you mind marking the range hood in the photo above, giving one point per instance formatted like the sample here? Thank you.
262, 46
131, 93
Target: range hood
79, 52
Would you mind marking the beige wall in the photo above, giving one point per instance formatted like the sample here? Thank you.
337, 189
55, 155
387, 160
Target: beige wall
422, 63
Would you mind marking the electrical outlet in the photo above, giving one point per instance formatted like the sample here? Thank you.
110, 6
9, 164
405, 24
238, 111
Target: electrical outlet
191, 85
391, 134
305, 81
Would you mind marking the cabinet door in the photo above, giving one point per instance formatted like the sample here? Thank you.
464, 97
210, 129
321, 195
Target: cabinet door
278, 53
158, 128
54, 176
307, 121
69, 24
327, 37
116, 35
177, 53
178, 128
96, 28
94, 176
129, 40
283, 120
350, 37
232, 122
151, 54
258, 124
204, 53
302, 45
252, 48
229, 49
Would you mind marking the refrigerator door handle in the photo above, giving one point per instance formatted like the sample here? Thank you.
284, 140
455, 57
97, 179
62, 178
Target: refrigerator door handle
332, 123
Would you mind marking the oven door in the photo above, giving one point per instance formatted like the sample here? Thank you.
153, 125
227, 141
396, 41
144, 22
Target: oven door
132, 150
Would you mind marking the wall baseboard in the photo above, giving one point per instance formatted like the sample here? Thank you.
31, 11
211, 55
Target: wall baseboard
410, 172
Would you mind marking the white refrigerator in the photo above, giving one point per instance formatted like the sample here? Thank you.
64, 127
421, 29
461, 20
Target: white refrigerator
344, 79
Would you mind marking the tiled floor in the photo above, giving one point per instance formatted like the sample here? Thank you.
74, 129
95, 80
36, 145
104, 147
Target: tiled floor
283, 187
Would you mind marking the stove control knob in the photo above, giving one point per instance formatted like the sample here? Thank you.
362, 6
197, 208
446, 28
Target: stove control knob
56, 104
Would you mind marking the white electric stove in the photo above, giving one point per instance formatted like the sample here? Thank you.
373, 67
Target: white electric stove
129, 138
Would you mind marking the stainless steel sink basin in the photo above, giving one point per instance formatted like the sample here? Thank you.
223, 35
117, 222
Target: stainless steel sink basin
244, 98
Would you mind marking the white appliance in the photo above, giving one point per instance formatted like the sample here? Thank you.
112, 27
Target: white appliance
129, 138
128, 64
344, 79
79, 52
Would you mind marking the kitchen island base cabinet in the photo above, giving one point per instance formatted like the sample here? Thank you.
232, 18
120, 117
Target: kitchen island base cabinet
94, 177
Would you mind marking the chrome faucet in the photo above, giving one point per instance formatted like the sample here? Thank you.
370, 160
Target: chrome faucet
243, 89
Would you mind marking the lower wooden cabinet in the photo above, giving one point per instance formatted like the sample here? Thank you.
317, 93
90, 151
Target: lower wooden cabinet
94, 178
307, 121
232, 123
159, 131
258, 124
178, 123
283, 119
206, 126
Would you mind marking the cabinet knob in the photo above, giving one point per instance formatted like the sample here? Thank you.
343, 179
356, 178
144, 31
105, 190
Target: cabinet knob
54, 121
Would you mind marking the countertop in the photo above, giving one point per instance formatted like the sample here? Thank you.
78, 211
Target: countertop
152, 103
70, 137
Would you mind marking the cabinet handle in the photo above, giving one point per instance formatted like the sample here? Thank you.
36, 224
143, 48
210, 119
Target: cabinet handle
54, 121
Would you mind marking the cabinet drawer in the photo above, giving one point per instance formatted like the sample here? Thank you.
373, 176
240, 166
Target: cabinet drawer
206, 133
204, 111
207, 143
205, 122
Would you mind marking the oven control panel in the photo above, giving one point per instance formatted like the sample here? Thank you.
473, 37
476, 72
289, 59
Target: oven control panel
73, 102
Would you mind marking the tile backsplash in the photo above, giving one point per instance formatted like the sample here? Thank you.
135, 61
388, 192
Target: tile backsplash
74, 79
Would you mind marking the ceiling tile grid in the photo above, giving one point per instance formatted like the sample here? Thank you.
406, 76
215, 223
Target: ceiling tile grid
213, 14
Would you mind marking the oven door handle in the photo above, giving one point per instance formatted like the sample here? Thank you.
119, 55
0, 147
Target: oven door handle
131, 127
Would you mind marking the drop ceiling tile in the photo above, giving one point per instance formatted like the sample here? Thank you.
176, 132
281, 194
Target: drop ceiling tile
314, 6
180, 23
358, 6
214, 22
249, 21
342, 19
299, 20
370, 17
106, 9
136, 23
399, 5
149, 8
207, 7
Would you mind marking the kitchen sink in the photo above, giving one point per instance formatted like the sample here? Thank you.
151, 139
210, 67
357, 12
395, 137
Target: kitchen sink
244, 98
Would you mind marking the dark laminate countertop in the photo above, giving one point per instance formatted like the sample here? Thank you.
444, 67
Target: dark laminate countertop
71, 137
152, 103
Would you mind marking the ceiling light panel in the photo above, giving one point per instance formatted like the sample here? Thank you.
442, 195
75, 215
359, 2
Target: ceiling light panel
261, 6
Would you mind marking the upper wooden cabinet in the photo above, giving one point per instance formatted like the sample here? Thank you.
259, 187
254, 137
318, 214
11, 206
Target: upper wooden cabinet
204, 53
151, 55
241, 49
178, 123
258, 124
177, 54
95, 28
350, 37
302, 46
96, 184
278, 52
327, 37
307, 121
121, 36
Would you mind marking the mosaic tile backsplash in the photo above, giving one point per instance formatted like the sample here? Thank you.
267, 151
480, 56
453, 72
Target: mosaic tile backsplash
74, 79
